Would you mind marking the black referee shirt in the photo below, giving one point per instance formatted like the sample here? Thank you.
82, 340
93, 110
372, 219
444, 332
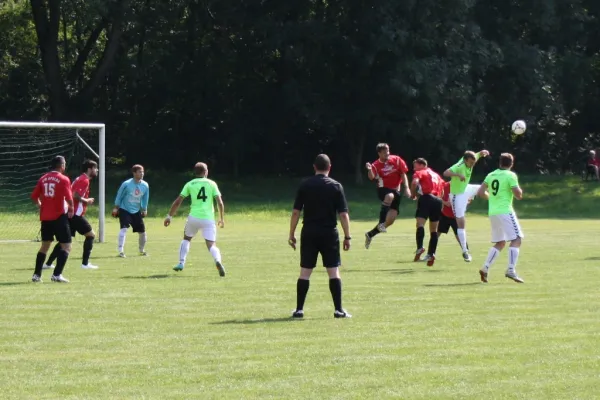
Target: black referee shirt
322, 199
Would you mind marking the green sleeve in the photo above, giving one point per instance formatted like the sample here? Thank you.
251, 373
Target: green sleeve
487, 179
216, 191
513, 180
185, 192
456, 167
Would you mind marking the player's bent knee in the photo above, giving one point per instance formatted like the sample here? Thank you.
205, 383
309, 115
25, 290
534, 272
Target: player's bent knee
388, 198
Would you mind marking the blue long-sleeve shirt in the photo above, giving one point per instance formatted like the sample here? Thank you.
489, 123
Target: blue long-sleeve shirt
133, 196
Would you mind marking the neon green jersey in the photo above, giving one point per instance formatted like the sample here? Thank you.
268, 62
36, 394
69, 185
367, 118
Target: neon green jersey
456, 185
500, 184
202, 192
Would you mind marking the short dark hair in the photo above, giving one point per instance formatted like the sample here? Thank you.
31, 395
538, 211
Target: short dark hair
136, 168
381, 146
469, 155
87, 164
200, 169
421, 161
506, 160
57, 162
322, 162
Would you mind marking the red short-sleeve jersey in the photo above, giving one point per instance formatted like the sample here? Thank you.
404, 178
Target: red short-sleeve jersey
389, 173
447, 210
430, 182
81, 185
52, 189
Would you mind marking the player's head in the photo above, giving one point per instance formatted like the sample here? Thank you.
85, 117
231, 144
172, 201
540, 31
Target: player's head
506, 160
592, 153
201, 170
469, 158
322, 164
90, 168
138, 172
58, 164
383, 151
419, 164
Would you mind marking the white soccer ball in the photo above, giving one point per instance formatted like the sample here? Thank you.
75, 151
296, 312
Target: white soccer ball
519, 127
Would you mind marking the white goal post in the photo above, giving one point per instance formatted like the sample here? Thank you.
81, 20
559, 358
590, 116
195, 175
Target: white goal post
101, 155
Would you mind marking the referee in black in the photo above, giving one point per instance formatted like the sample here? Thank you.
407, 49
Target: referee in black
321, 198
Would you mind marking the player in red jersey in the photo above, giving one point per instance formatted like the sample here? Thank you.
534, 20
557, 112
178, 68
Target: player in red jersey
429, 186
390, 172
53, 196
447, 219
79, 224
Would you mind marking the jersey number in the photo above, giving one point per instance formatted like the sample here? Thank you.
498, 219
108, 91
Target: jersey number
49, 189
202, 194
495, 186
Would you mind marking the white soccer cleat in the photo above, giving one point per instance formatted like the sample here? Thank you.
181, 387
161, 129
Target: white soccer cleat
467, 256
513, 275
122, 254
36, 278
89, 266
46, 266
59, 278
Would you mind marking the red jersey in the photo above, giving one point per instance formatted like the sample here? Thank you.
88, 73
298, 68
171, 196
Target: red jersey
430, 182
594, 161
52, 190
447, 210
389, 173
81, 185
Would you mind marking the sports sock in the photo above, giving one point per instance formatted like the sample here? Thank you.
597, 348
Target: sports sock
122, 234
301, 290
491, 258
513, 256
420, 237
39, 263
383, 213
88, 244
184, 249
433, 242
462, 239
142, 241
373, 232
335, 287
61, 261
54, 254
215, 252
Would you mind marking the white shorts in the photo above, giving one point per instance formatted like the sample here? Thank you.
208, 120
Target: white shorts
207, 226
505, 227
459, 204
471, 191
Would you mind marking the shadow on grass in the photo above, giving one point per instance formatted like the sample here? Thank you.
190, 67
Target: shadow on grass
592, 258
14, 283
162, 276
391, 270
451, 284
255, 321
22, 269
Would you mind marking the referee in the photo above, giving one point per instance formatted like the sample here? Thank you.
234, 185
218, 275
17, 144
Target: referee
321, 198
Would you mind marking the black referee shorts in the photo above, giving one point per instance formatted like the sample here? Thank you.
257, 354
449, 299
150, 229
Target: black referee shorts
382, 192
429, 207
59, 229
79, 225
446, 223
126, 219
325, 242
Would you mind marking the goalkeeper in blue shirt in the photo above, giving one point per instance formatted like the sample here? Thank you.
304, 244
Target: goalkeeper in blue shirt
131, 206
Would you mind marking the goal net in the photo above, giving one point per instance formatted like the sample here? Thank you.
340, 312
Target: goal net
26, 150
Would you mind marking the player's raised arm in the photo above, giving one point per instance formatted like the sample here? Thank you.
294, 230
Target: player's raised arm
370, 172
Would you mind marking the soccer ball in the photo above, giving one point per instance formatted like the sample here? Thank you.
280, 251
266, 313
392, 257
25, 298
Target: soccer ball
518, 127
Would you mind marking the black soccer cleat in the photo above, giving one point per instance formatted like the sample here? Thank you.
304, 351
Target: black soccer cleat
298, 314
341, 314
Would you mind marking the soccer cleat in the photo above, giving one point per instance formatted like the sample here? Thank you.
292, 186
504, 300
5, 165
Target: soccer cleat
89, 266
122, 254
381, 228
143, 253
367, 240
467, 257
220, 268
47, 266
36, 278
483, 276
430, 258
178, 267
341, 314
514, 277
418, 254
59, 278
298, 314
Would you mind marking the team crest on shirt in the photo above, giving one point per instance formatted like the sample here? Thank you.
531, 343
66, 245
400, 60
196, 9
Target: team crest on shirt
388, 169
136, 192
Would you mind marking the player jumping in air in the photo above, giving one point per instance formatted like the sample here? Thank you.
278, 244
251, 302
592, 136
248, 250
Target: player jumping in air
460, 174
390, 172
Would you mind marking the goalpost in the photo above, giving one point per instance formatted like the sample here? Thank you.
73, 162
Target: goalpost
26, 149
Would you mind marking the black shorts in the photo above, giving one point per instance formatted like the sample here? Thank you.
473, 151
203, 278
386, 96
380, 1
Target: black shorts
591, 169
79, 225
326, 242
429, 207
59, 229
382, 192
126, 219
446, 223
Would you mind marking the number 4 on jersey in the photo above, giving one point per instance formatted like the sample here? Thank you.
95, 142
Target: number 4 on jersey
202, 194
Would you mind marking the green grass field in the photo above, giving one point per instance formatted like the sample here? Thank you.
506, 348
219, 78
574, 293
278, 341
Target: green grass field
135, 329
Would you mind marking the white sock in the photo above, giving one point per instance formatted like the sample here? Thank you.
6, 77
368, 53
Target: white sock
513, 256
122, 234
491, 258
142, 241
184, 249
462, 238
215, 252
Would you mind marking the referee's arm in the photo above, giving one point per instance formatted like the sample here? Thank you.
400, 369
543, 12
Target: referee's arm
342, 209
295, 218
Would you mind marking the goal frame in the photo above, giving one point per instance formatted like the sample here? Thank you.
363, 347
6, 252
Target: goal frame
101, 158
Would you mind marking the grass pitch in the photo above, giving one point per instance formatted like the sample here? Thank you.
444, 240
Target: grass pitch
135, 329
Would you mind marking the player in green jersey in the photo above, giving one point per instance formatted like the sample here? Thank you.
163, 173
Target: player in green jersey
202, 192
500, 188
460, 176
